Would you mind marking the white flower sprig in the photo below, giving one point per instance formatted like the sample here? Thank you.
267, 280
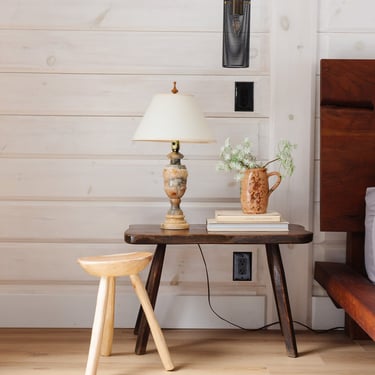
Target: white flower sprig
241, 157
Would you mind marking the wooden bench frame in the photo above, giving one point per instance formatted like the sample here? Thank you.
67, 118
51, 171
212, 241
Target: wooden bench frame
351, 291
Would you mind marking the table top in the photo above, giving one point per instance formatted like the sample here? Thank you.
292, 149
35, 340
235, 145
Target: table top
197, 233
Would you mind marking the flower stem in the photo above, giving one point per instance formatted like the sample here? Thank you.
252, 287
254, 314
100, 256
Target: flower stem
269, 162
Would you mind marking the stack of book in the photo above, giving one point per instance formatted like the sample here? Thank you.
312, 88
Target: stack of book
237, 221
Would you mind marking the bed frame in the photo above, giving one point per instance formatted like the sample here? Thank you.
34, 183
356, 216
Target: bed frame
347, 168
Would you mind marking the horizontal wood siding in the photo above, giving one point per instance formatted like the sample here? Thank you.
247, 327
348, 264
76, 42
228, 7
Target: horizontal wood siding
119, 95
84, 137
107, 51
75, 80
141, 15
76, 76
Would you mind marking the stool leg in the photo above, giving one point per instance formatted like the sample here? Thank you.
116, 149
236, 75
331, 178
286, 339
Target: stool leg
97, 328
106, 347
156, 332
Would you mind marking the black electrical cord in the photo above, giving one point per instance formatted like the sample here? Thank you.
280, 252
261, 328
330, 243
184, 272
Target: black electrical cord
251, 329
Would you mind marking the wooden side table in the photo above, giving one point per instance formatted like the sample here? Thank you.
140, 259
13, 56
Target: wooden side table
197, 234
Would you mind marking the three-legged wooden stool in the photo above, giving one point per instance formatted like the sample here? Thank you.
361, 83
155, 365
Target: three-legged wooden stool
108, 267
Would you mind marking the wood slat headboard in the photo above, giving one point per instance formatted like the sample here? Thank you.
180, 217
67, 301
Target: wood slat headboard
347, 153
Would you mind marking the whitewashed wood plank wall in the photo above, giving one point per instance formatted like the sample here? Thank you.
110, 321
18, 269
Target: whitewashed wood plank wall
75, 78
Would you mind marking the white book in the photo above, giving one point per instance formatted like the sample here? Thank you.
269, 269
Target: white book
216, 226
239, 216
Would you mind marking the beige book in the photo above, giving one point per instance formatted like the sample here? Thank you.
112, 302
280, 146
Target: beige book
237, 216
214, 225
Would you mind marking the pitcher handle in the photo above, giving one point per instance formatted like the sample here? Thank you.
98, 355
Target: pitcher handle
276, 184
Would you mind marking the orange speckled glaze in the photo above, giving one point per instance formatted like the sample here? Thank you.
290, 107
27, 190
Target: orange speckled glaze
255, 190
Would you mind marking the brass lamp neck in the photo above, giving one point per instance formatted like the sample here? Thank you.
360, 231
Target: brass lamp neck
175, 156
175, 146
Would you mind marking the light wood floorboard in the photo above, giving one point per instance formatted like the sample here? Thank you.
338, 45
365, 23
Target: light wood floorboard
64, 351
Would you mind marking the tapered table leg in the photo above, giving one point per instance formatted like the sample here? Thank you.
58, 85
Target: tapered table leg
280, 290
152, 286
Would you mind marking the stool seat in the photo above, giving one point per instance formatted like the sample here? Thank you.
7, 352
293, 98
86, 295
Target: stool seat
115, 264
108, 267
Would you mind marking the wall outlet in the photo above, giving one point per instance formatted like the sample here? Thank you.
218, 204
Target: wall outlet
242, 266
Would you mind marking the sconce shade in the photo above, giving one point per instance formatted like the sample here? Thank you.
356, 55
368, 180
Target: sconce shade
236, 33
173, 117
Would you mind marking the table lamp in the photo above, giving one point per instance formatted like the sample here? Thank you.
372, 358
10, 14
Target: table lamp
174, 118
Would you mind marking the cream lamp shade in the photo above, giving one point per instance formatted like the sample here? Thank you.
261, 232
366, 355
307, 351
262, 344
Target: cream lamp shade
174, 118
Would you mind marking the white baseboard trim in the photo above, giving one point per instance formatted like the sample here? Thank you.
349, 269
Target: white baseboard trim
76, 310
325, 314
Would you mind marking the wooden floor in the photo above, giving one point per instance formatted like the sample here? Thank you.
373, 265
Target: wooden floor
194, 352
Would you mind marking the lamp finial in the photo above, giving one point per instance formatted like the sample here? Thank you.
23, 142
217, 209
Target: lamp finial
174, 90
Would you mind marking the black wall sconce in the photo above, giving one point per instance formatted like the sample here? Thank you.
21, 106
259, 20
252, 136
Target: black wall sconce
236, 33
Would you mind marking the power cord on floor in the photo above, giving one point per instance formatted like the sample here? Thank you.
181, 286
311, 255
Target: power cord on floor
251, 329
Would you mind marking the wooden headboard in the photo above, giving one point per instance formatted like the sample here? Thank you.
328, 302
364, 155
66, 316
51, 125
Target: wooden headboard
347, 149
